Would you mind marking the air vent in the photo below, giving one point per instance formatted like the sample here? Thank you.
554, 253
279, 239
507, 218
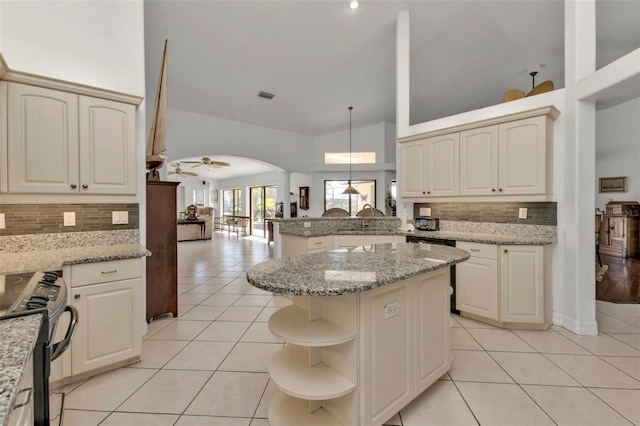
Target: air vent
266, 95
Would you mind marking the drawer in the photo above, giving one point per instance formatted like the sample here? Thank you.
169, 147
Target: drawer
352, 240
315, 243
102, 272
485, 251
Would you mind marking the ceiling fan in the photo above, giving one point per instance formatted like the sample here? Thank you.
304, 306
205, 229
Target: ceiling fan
178, 171
208, 162
545, 86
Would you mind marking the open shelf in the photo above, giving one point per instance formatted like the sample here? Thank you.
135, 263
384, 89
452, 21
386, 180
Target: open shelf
286, 411
289, 369
292, 325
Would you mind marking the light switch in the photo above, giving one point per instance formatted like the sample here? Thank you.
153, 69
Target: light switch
522, 213
2, 225
120, 218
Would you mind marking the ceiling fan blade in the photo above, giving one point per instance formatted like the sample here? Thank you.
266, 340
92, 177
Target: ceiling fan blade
220, 164
190, 174
172, 173
191, 162
198, 165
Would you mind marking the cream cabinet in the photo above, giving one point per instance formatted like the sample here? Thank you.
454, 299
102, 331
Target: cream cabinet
108, 297
510, 156
430, 167
505, 159
22, 414
294, 245
477, 285
522, 292
63, 143
507, 285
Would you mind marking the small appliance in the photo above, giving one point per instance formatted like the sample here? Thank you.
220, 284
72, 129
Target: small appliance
427, 223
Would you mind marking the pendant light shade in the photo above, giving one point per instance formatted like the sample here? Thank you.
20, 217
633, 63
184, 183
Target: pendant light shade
350, 189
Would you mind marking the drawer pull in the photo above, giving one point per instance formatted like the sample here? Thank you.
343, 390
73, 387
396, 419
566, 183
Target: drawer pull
27, 400
109, 272
506, 251
318, 242
474, 249
74, 186
85, 186
77, 296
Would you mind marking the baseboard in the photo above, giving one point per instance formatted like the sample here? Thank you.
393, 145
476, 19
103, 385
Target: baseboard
583, 328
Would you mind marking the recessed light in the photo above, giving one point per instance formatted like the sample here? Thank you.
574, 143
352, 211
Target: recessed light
354, 4
266, 95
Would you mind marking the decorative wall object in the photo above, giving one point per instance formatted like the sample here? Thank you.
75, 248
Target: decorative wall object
304, 198
613, 184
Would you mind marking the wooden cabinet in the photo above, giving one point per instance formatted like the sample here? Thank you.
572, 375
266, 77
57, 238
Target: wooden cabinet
619, 234
477, 284
503, 157
506, 284
162, 241
108, 297
64, 143
430, 167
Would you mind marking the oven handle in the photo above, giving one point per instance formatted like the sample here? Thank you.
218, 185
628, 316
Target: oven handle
58, 348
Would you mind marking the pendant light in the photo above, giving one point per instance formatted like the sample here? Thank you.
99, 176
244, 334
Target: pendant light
350, 189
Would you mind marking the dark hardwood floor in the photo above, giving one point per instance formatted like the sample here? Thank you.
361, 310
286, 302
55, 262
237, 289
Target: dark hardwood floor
621, 282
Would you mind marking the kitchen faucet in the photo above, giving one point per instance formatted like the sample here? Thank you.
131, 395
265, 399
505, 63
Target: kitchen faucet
364, 212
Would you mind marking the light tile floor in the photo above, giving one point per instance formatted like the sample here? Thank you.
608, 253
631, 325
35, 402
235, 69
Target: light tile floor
209, 366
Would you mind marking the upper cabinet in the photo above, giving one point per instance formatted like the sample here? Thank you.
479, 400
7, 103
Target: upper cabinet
430, 167
64, 143
503, 157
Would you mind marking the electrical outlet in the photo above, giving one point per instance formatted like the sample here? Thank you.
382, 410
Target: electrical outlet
69, 218
2, 225
391, 310
522, 213
425, 211
307, 224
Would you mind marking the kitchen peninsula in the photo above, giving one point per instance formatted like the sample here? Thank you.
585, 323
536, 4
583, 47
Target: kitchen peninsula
367, 332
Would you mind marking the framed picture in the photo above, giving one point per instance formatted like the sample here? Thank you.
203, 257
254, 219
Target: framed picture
613, 184
304, 198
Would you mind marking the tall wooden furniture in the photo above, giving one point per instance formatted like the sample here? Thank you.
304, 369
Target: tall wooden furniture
619, 235
162, 241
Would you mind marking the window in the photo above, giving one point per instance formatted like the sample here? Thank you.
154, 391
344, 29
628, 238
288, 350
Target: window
198, 197
334, 197
232, 202
345, 158
263, 207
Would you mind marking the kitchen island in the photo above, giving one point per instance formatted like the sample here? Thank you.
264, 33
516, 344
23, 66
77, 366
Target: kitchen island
367, 332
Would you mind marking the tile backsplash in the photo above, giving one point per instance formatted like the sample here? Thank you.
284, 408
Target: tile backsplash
538, 213
48, 218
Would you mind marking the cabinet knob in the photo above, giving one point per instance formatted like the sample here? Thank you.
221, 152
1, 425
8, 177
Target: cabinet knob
77, 296
85, 186
74, 186
506, 251
423, 192
493, 190
500, 190
428, 192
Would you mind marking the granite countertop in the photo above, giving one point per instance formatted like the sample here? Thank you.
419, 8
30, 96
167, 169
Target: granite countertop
503, 239
18, 339
472, 237
45, 260
351, 270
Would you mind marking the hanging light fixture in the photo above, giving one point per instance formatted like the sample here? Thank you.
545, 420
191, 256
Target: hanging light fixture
350, 189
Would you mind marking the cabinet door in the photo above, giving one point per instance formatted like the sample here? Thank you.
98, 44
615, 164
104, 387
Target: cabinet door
522, 156
413, 158
477, 287
107, 147
522, 284
42, 140
479, 161
110, 324
443, 165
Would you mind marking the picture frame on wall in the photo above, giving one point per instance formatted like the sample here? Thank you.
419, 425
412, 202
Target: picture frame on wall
304, 198
613, 184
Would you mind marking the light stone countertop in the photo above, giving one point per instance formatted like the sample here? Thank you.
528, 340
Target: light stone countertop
45, 260
351, 270
18, 337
